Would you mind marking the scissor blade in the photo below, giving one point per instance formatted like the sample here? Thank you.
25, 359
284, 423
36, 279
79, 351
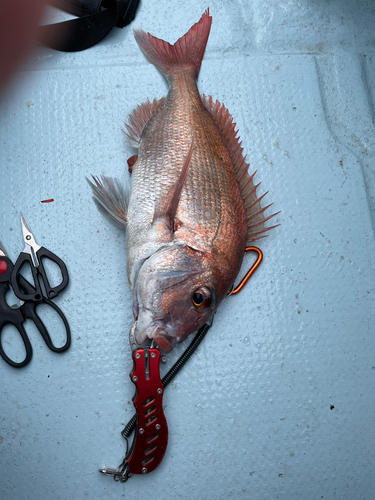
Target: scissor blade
24, 223
2, 251
29, 240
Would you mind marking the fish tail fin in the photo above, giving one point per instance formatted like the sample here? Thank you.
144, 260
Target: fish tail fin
187, 51
111, 198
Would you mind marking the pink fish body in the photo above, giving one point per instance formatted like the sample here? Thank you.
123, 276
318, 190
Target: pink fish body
193, 206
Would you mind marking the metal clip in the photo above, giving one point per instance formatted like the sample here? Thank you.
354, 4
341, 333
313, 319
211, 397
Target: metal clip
109, 471
250, 272
120, 474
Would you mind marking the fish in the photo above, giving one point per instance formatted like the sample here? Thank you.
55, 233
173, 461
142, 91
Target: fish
193, 206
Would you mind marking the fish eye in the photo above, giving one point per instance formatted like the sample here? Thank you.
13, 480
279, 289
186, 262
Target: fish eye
202, 298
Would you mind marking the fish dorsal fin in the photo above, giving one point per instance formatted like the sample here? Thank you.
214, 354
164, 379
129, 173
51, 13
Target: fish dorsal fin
168, 208
254, 212
138, 119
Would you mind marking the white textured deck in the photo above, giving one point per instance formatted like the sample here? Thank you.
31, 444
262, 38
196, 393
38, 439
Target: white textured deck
249, 416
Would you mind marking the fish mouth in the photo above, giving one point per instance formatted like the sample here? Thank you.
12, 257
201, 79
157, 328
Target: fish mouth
159, 331
165, 341
163, 333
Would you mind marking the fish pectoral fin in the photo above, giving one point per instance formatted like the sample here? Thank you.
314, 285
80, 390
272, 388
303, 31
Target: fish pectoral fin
111, 198
167, 209
138, 119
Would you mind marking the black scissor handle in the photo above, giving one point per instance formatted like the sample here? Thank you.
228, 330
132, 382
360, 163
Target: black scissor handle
15, 318
33, 293
29, 311
52, 291
26, 343
37, 294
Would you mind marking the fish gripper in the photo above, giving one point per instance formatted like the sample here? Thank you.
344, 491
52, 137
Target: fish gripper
151, 430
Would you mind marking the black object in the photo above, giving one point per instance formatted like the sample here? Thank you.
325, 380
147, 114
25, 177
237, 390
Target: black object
96, 18
16, 316
37, 272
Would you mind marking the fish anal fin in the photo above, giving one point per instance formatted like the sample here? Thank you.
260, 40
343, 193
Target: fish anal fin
248, 189
168, 208
138, 119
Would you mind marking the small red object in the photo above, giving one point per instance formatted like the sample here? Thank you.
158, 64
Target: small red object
131, 162
3, 266
48, 201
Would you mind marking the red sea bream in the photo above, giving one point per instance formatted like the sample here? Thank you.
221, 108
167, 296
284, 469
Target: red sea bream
193, 206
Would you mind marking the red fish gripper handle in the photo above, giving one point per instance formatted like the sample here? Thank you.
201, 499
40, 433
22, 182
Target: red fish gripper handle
151, 431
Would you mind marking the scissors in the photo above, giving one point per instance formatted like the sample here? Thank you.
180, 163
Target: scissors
16, 316
33, 255
30, 298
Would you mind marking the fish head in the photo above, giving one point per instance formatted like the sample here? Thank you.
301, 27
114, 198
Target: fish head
176, 291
